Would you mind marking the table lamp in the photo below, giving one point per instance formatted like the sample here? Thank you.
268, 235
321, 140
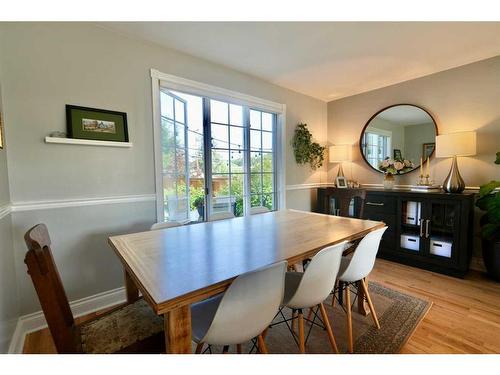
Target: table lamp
338, 154
453, 145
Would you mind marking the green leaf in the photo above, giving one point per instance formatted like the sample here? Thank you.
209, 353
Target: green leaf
488, 188
498, 158
489, 230
482, 203
493, 209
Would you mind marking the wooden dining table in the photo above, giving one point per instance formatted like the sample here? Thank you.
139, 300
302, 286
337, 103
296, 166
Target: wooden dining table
176, 267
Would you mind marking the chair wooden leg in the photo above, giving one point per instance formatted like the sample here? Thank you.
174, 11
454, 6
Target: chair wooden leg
370, 303
302, 344
238, 348
329, 330
225, 349
264, 333
349, 318
262, 345
199, 348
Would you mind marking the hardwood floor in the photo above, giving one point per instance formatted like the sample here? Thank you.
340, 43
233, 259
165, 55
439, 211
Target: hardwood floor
465, 316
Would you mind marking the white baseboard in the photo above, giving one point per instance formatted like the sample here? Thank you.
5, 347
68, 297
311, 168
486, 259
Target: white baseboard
7, 329
36, 321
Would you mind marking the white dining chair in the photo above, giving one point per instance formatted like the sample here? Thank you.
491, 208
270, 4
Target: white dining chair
310, 288
242, 312
165, 224
221, 216
354, 270
259, 210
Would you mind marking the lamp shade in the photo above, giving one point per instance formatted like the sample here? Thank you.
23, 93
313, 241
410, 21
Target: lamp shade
456, 144
339, 153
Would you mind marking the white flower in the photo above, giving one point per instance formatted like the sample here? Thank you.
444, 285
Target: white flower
408, 163
385, 163
398, 165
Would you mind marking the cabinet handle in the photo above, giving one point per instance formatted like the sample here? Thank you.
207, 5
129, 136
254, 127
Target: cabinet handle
421, 228
427, 228
374, 204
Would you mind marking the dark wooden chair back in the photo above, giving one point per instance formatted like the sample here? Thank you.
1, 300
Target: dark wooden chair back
50, 290
343, 197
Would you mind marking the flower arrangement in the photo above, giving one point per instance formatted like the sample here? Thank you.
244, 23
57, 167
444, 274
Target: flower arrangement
396, 166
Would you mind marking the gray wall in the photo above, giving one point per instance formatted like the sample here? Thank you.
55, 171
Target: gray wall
460, 99
45, 66
415, 136
9, 304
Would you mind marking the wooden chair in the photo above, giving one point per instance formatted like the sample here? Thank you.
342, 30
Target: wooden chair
128, 328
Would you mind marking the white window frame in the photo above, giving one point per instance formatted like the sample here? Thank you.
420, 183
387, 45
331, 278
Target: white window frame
159, 79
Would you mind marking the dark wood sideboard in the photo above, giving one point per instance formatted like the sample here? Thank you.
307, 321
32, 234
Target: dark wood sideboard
433, 231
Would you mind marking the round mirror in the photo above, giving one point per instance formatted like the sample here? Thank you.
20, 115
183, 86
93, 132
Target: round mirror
397, 138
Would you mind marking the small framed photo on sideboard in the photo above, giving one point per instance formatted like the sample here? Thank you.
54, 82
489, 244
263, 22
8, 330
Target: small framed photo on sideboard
341, 182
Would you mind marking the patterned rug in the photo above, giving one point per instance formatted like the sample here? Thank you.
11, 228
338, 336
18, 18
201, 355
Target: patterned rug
399, 315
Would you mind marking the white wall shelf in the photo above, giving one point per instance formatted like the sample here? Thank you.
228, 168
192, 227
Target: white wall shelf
87, 142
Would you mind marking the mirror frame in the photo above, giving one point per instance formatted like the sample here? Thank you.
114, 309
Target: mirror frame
382, 110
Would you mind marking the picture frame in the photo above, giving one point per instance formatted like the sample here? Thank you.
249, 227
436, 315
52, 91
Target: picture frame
341, 182
427, 149
397, 154
1, 132
96, 124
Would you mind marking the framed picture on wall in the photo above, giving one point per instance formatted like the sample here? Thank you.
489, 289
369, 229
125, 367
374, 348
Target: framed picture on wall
96, 124
427, 149
397, 154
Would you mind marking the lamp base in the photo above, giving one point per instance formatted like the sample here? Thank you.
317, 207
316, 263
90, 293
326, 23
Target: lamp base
454, 183
341, 171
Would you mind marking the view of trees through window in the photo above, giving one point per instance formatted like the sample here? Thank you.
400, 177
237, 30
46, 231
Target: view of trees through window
240, 155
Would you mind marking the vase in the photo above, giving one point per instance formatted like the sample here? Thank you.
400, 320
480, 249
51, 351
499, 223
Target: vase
388, 181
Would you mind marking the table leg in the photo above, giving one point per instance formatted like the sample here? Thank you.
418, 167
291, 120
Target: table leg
130, 288
362, 306
178, 330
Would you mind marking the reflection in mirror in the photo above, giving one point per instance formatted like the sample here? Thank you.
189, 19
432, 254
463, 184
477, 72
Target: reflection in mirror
401, 133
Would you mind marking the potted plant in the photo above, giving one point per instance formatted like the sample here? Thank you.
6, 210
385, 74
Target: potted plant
305, 150
489, 201
199, 204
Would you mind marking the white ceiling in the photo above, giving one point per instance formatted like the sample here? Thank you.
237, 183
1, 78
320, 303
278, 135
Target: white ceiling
406, 115
327, 60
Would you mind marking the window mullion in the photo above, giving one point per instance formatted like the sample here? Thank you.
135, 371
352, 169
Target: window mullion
207, 151
247, 161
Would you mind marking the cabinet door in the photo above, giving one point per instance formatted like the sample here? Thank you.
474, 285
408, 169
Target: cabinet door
412, 214
441, 231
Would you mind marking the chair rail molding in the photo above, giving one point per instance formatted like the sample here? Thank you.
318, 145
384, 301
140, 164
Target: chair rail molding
78, 202
5, 210
312, 185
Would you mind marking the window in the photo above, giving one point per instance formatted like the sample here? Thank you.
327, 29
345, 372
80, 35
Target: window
376, 147
216, 156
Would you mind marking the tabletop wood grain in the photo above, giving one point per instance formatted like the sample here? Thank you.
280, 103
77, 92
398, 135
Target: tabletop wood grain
177, 266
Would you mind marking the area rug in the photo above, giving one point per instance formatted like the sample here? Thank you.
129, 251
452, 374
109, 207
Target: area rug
399, 315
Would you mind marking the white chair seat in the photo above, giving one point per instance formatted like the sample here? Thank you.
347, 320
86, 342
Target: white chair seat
292, 282
244, 310
202, 315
